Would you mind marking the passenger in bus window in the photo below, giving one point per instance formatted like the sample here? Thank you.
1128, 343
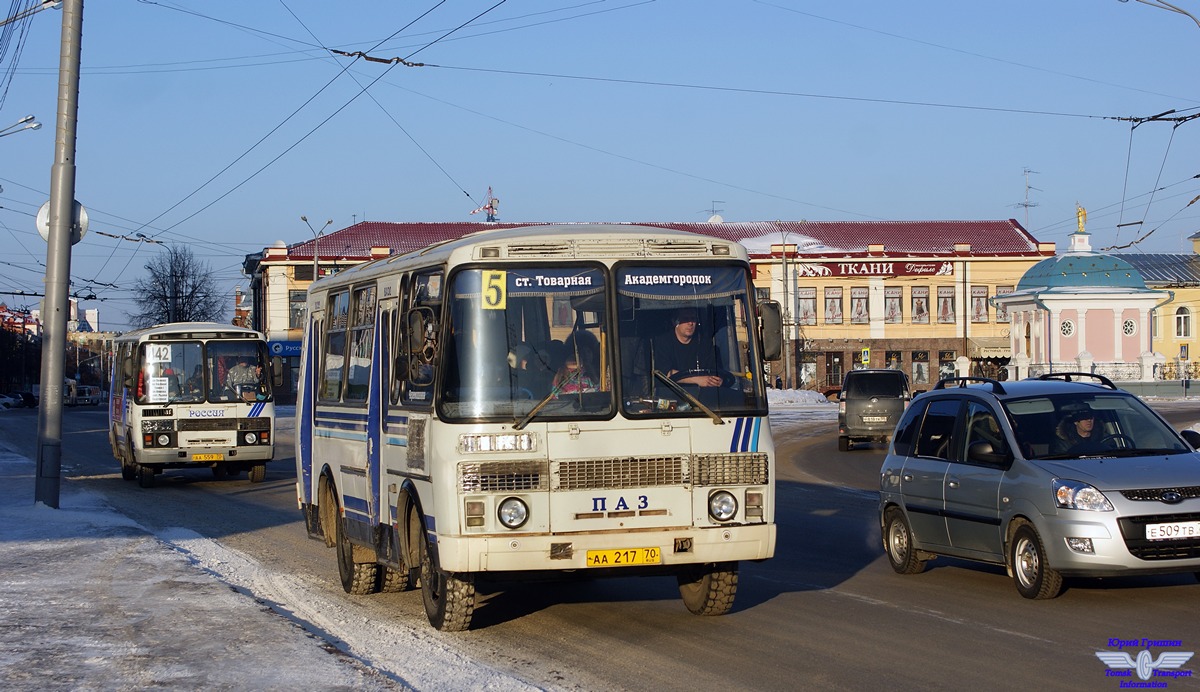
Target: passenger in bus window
573, 378
686, 356
195, 383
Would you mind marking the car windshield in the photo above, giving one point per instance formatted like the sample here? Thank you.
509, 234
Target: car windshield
1069, 426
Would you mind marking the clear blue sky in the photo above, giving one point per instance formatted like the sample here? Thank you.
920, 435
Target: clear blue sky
610, 110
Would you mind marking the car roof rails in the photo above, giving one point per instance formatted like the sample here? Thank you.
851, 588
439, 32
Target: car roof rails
1074, 376
947, 382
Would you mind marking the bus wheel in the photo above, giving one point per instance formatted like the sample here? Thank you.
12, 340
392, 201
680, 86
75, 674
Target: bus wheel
327, 511
145, 476
709, 589
449, 599
220, 471
358, 578
394, 580
128, 467
258, 473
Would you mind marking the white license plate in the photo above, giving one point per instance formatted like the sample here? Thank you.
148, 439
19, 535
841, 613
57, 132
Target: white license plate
874, 419
1166, 532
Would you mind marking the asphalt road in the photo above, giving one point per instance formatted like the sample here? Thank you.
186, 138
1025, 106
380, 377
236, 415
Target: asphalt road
827, 612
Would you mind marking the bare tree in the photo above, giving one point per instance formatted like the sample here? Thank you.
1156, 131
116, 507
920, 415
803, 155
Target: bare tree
177, 288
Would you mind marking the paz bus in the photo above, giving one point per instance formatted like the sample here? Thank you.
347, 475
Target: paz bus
493, 407
191, 395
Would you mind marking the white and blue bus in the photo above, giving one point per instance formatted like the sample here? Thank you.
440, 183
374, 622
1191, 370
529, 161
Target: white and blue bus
191, 395
505, 406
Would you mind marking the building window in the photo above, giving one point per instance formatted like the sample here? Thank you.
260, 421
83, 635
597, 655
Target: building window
1067, 328
1183, 322
860, 312
806, 305
920, 305
893, 360
1129, 327
762, 295
920, 367
833, 306
946, 364
296, 309
893, 313
946, 313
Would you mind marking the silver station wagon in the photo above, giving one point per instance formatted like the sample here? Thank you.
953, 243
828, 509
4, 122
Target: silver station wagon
1061, 476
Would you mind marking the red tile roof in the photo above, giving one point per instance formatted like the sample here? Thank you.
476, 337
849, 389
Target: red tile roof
823, 238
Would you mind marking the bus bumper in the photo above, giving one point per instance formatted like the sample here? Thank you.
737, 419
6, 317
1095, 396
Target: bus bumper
676, 548
203, 456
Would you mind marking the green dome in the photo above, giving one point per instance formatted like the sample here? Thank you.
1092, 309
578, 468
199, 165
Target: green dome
1082, 270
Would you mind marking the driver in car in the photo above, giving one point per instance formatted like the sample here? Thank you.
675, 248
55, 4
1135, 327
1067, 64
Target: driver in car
1076, 432
682, 356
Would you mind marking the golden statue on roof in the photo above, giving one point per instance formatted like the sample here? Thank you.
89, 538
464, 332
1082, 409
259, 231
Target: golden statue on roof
1080, 217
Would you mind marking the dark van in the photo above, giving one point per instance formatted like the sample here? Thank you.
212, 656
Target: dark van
870, 404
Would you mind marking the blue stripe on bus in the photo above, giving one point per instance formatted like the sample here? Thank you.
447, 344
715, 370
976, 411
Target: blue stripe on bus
754, 439
257, 409
355, 504
340, 435
737, 433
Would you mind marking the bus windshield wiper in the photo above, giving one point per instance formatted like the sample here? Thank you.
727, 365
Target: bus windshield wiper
685, 394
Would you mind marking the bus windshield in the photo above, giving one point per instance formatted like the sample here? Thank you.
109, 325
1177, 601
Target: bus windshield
539, 342
522, 338
184, 372
685, 335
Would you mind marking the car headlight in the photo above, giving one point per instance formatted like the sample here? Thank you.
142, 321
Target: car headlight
1077, 495
722, 505
513, 513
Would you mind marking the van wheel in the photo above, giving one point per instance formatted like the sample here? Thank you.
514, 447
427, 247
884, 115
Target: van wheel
449, 599
709, 589
843, 444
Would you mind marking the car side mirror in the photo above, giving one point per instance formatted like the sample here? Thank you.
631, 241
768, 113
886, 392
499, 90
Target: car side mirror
983, 453
1192, 437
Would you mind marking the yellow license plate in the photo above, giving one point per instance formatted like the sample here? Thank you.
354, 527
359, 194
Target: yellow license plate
208, 457
621, 558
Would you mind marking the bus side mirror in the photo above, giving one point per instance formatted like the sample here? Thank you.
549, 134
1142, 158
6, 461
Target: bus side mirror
277, 371
771, 322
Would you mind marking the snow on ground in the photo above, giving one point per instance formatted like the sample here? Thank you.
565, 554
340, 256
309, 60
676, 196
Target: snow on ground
91, 600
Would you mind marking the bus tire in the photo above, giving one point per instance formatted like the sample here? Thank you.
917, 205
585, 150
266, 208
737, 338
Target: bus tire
394, 580
358, 578
258, 473
219, 471
128, 467
709, 589
145, 476
449, 599
327, 510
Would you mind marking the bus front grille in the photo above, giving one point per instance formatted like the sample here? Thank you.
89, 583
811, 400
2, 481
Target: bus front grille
628, 472
502, 476
207, 424
730, 469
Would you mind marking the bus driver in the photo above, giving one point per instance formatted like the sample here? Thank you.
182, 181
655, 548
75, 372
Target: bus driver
683, 357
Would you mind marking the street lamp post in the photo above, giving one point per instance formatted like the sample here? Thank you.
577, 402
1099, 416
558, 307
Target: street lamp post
21, 125
316, 242
1162, 5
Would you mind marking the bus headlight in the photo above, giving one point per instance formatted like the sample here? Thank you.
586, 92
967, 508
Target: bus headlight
513, 513
250, 438
164, 439
722, 505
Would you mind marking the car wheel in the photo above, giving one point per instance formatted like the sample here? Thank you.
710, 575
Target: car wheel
1031, 572
898, 542
709, 589
843, 444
